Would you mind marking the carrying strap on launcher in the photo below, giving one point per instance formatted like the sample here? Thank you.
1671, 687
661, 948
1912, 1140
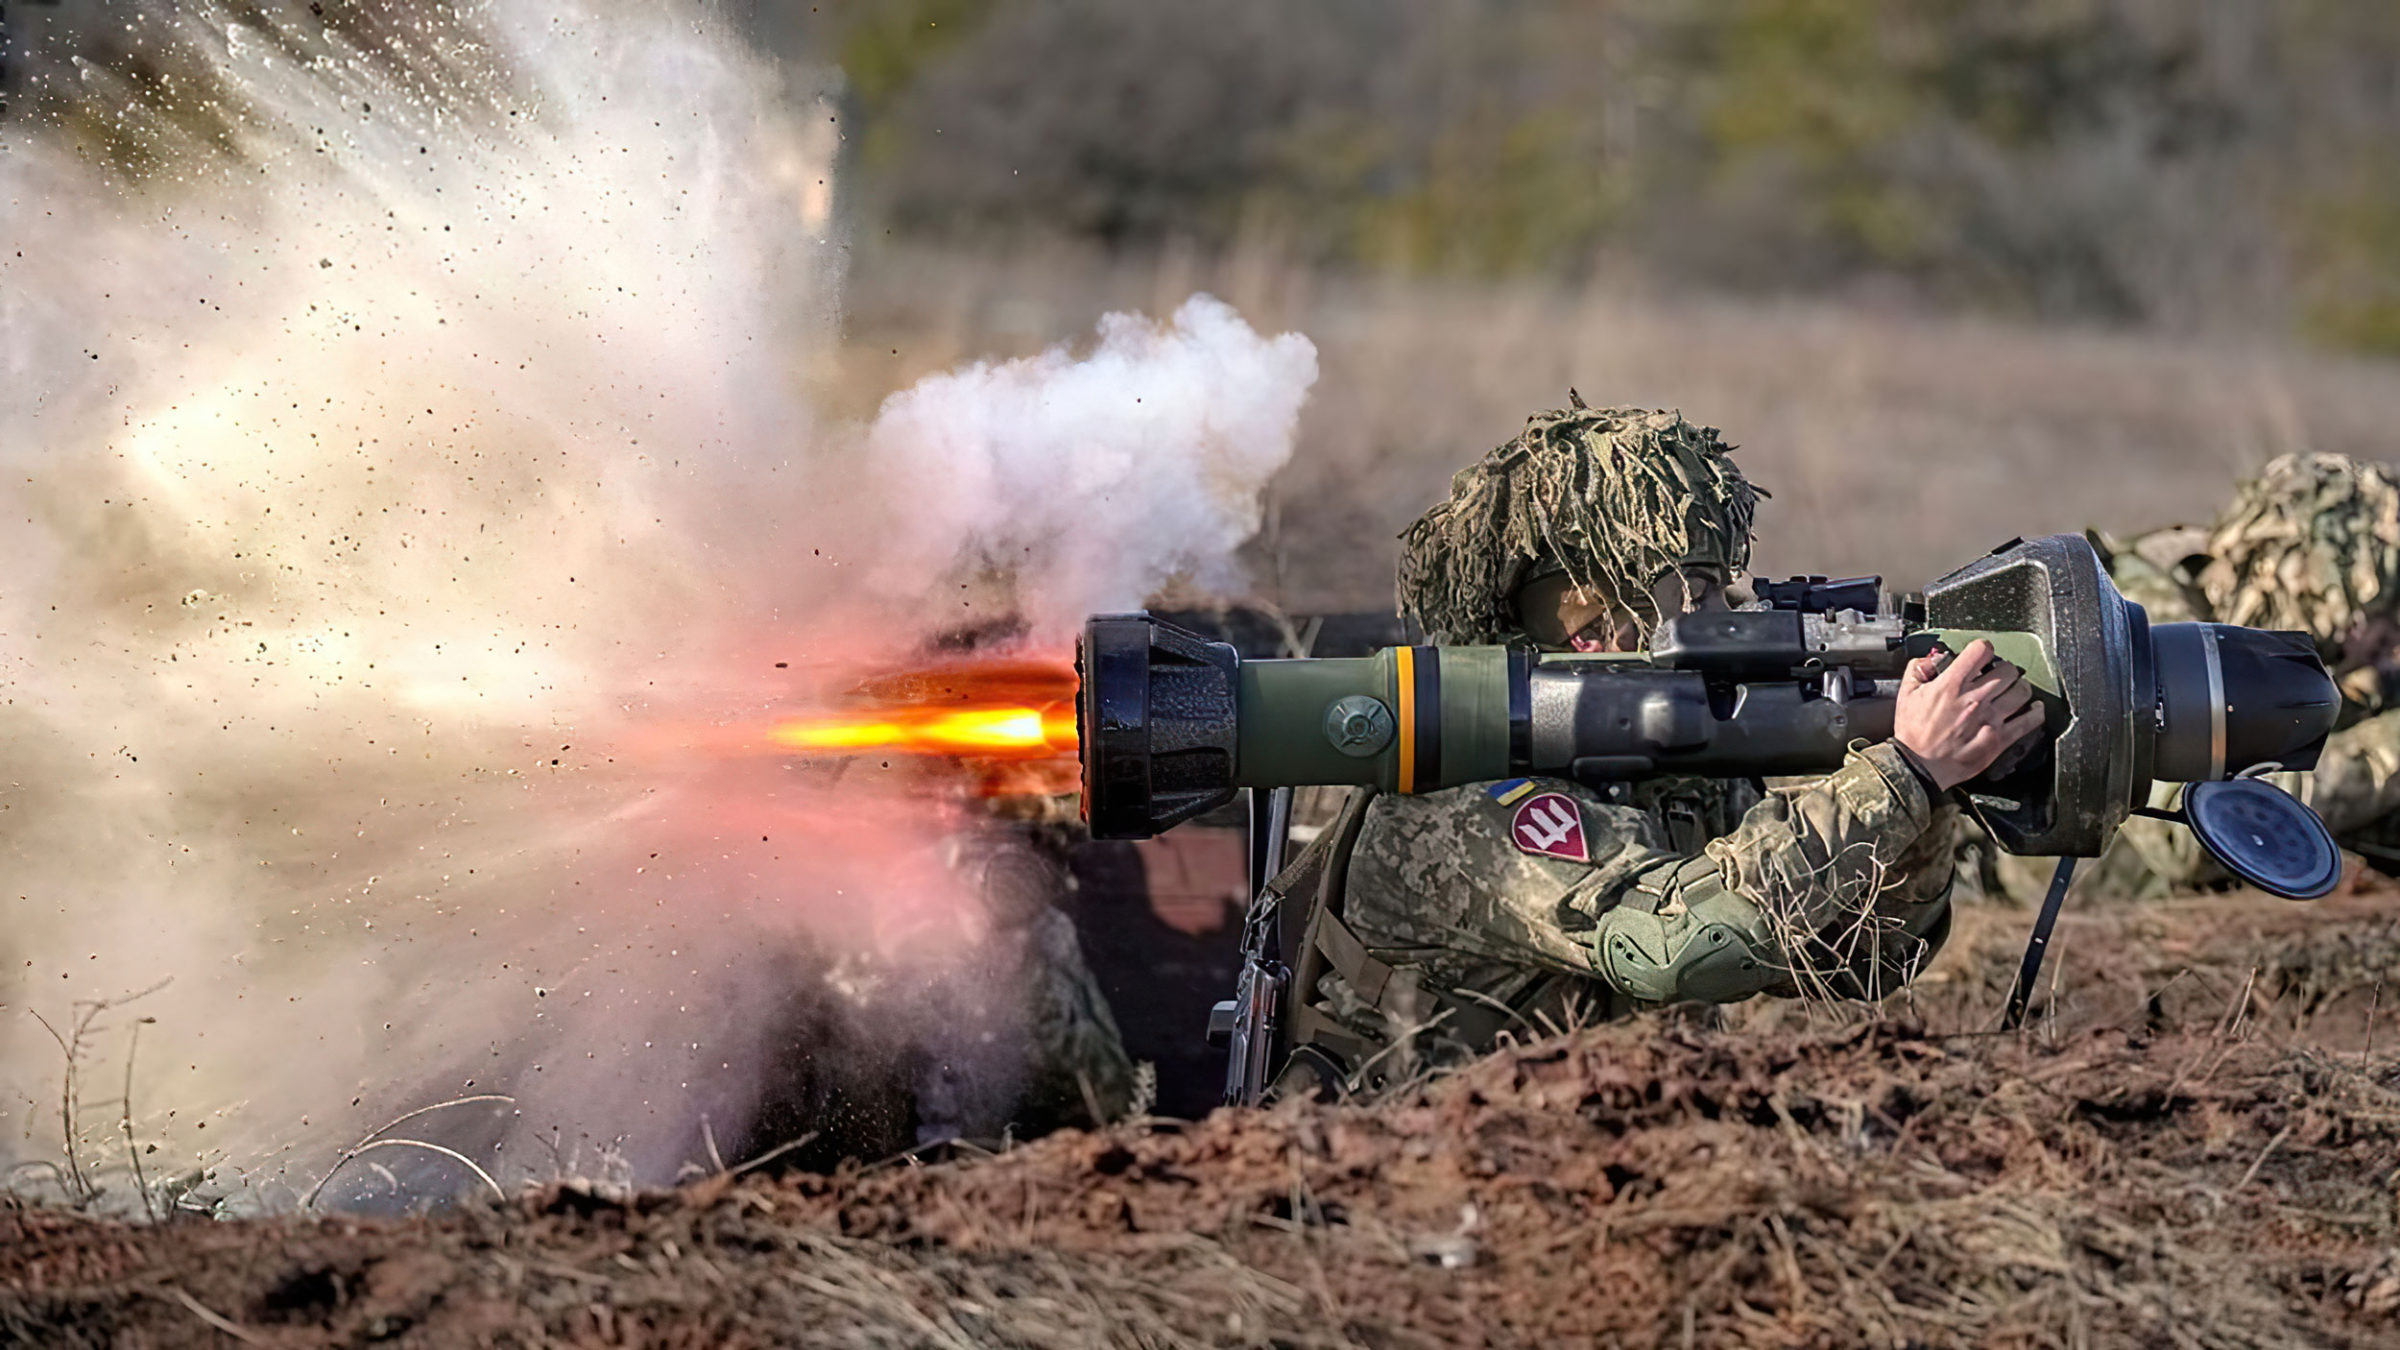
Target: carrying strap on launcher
1311, 887
1687, 833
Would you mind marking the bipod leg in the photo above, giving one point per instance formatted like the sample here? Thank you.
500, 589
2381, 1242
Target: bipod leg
2030, 970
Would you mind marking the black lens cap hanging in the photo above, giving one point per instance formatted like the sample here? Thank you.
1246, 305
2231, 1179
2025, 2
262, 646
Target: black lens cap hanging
2265, 836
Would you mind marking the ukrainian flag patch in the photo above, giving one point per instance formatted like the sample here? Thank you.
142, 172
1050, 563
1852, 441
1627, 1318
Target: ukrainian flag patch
1508, 792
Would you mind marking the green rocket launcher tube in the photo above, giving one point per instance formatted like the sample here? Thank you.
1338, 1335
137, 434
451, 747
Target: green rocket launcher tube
1172, 725
1415, 719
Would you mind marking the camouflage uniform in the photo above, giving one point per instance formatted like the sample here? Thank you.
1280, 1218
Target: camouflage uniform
2311, 544
1430, 931
1070, 1068
1079, 1072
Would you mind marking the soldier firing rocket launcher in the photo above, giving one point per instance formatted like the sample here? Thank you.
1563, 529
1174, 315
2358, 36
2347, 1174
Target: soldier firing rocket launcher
1172, 726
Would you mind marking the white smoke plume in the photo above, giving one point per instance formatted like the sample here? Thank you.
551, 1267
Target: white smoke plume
402, 427
1120, 469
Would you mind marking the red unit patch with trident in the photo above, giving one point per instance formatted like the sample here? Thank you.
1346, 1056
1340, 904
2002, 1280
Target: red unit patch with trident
1550, 825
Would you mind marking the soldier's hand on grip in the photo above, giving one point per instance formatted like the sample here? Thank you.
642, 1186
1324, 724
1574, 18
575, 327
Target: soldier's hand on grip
1957, 718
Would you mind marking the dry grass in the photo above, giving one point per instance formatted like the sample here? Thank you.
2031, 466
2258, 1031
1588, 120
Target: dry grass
1892, 443
2193, 1147
1646, 1183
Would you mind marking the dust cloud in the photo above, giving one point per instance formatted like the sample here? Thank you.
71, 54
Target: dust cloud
403, 427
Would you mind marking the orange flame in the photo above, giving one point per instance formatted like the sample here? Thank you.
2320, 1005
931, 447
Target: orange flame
977, 710
978, 733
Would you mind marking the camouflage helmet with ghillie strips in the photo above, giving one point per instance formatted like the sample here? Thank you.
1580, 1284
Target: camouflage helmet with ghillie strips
1613, 497
2312, 543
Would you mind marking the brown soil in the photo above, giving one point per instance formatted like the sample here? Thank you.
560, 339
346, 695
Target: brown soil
2307, 974
2205, 1171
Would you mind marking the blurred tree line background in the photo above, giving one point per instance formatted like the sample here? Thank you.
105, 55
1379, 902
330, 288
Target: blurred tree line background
1944, 269
2192, 165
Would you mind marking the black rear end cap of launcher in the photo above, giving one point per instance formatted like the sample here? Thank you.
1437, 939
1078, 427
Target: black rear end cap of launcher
1156, 722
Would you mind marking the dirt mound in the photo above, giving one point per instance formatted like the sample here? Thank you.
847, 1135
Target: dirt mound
1647, 1183
2308, 973
2195, 1144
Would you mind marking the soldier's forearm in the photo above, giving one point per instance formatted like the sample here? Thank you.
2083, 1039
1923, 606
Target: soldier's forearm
1823, 854
1834, 886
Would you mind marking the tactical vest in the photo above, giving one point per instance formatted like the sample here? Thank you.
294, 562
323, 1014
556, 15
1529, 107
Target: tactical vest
1319, 1052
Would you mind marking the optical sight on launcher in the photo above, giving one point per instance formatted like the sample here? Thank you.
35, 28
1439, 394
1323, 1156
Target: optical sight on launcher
1172, 725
